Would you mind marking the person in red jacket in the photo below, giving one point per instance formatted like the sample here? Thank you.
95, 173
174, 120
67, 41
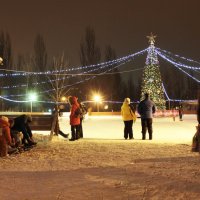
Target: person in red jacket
5, 137
74, 117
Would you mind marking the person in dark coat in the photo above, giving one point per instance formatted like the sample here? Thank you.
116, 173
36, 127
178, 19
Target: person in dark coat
146, 108
74, 117
180, 113
82, 116
21, 124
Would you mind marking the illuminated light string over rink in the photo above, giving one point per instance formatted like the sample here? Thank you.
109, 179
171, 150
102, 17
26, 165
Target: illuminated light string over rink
101, 66
166, 55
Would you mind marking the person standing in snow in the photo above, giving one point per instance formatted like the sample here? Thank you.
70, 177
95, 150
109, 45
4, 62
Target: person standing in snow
128, 116
146, 108
74, 117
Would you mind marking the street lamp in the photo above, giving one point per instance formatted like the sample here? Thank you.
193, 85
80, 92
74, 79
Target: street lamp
32, 97
97, 99
63, 99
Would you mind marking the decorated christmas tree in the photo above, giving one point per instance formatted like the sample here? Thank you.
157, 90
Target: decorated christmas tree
151, 80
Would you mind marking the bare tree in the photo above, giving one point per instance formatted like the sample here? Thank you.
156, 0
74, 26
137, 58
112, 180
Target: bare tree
58, 80
58, 86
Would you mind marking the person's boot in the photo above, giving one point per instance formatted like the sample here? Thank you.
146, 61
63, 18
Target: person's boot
31, 142
150, 136
143, 136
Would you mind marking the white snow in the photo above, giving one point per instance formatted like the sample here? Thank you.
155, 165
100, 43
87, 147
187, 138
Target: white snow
111, 127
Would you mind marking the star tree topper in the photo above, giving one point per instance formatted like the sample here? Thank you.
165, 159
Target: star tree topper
151, 38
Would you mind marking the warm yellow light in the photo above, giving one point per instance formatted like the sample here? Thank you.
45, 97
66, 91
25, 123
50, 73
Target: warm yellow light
63, 98
106, 107
97, 98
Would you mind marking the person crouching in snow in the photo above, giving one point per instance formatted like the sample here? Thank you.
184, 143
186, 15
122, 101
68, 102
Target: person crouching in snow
21, 124
74, 117
5, 137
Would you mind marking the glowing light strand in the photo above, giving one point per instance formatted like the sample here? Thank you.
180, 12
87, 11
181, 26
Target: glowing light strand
112, 62
194, 78
175, 63
128, 58
178, 56
69, 85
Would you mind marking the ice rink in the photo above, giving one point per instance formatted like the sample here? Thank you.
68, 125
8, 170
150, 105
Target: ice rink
111, 127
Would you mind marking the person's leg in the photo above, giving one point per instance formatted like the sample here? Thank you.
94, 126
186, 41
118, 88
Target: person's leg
125, 129
73, 133
144, 128
26, 137
28, 129
3, 148
130, 127
81, 129
63, 134
149, 126
77, 133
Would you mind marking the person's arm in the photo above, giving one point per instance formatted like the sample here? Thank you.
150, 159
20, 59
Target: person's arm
154, 109
139, 109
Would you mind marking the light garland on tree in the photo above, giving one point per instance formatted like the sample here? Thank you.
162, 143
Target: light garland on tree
151, 79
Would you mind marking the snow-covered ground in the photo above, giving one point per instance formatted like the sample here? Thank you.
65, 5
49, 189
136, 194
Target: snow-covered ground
104, 166
111, 127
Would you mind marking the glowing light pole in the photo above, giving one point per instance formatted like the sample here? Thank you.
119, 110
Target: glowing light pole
32, 97
97, 99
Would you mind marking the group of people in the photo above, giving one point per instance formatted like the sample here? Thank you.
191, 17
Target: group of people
15, 135
146, 108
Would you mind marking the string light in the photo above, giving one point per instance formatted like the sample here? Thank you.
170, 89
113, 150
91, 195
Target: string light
107, 66
176, 55
165, 57
108, 63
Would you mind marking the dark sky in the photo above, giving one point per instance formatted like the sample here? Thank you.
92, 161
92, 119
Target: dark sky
121, 24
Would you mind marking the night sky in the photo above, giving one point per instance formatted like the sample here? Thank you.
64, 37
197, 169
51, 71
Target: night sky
122, 24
